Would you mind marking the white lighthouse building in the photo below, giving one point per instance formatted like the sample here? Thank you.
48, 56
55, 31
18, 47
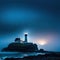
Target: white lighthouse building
18, 40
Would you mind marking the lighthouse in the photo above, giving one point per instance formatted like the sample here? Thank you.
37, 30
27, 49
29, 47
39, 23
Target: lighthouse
26, 34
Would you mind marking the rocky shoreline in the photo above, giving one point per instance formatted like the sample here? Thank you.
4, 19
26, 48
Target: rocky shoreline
39, 57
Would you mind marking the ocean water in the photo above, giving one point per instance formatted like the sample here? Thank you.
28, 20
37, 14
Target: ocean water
4, 55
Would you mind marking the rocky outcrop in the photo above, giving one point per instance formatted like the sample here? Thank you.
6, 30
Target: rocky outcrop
21, 47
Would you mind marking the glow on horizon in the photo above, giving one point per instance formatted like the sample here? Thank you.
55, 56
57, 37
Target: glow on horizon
42, 42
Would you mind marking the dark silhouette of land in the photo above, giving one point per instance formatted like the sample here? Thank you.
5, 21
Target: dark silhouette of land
21, 47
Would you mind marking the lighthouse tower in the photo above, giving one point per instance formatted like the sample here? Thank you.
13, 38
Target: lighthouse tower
26, 34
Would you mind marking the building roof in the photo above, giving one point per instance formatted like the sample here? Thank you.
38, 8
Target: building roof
17, 39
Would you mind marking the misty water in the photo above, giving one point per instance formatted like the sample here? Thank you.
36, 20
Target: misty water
4, 55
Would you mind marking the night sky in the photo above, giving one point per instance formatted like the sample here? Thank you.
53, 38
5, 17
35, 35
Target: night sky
39, 18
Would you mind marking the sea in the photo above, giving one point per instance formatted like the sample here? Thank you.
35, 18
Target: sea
4, 55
